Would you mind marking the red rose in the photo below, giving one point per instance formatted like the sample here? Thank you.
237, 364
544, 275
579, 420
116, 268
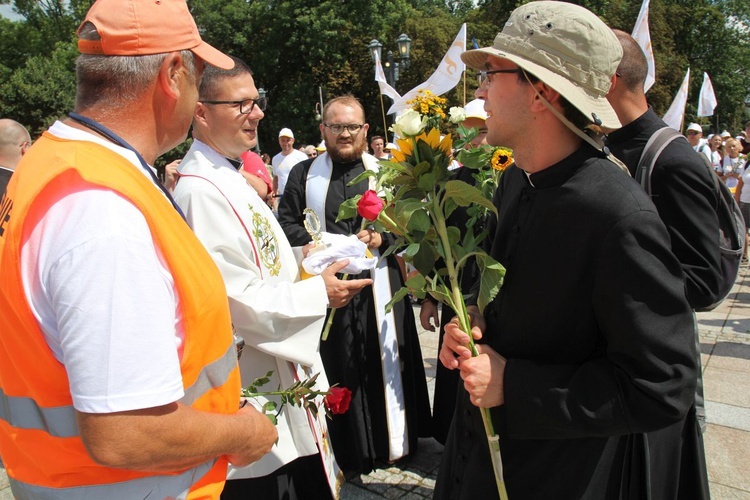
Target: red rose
370, 205
338, 399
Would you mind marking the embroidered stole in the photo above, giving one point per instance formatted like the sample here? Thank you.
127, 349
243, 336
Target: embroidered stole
318, 180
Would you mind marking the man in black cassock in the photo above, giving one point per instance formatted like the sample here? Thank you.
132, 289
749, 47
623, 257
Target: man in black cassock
374, 354
684, 193
589, 345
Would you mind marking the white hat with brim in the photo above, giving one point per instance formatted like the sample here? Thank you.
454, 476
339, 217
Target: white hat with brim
475, 109
694, 127
565, 46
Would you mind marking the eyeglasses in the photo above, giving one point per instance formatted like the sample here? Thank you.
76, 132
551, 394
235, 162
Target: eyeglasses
337, 129
246, 105
483, 75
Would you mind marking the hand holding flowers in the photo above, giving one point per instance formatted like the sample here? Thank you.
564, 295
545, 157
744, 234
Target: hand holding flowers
418, 193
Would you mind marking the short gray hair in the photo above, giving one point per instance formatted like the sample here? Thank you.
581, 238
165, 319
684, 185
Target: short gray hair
116, 79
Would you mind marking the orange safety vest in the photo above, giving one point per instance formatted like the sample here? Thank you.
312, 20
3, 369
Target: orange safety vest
39, 439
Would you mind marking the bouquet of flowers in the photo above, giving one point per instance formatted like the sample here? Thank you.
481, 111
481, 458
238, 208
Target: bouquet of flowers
416, 192
303, 394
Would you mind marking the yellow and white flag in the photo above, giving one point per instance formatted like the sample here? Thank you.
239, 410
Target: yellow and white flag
707, 101
642, 35
446, 76
676, 111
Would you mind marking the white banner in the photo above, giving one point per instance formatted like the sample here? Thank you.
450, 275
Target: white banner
446, 76
707, 101
385, 89
642, 35
676, 111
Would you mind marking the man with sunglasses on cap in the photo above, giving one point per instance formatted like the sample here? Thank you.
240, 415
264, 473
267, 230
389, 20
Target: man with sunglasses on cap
118, 368
588, 344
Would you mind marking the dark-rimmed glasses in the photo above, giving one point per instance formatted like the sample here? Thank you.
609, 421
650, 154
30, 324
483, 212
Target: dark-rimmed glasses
337, 129
246, 105
483, 75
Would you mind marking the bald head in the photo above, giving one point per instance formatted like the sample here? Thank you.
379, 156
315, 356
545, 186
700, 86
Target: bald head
633, 68
14, 141
626, 94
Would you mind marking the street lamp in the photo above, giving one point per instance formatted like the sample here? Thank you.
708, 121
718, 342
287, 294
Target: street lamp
392, 65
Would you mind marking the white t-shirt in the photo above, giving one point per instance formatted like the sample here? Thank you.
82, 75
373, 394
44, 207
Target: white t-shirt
704, 148
745, 194
103, 297
282, 165
731, 165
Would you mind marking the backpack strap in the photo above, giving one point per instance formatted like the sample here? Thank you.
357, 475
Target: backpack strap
655, 145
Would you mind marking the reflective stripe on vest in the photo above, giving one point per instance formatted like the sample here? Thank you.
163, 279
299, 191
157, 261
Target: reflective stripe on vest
213, 375
156, 487
25, 413
60, 421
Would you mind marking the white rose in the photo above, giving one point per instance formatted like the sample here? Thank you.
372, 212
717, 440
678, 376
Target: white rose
457, 115
409, 124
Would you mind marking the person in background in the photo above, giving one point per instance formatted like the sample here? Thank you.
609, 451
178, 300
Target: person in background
256, 174
745, 139
742, 195
575, 364
118, 368
732, 164
694, 136
683, 190
377, 143
14, 141
310, 151
283, 162
715, 143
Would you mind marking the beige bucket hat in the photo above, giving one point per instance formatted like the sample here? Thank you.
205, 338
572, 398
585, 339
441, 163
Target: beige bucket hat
565, 46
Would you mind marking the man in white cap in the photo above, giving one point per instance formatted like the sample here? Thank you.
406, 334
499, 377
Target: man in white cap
575, 360
284, 161
118, 369
694, 134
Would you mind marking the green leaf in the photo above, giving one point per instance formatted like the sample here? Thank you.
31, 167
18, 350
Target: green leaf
465, 195
348, 208
426, 153
269, 406
397, 297
427, 181
491, 274
475, 158
416, 283
411, 250
364, 175
419, 221
425, 258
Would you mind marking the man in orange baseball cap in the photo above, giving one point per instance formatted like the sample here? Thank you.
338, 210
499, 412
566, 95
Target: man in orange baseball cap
118, 367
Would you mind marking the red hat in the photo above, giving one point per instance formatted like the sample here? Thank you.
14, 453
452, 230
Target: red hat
146, 27
253, 164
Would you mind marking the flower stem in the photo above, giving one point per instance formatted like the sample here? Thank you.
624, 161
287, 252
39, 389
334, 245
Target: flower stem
465, 322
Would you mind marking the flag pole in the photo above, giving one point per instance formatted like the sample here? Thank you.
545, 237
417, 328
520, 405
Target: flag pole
385, 124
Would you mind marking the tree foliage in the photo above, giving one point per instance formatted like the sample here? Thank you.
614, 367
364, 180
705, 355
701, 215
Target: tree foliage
299, 49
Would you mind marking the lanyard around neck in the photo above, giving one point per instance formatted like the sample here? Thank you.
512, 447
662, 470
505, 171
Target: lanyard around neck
104, 131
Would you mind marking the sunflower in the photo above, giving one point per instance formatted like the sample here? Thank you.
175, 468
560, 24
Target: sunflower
502, 158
